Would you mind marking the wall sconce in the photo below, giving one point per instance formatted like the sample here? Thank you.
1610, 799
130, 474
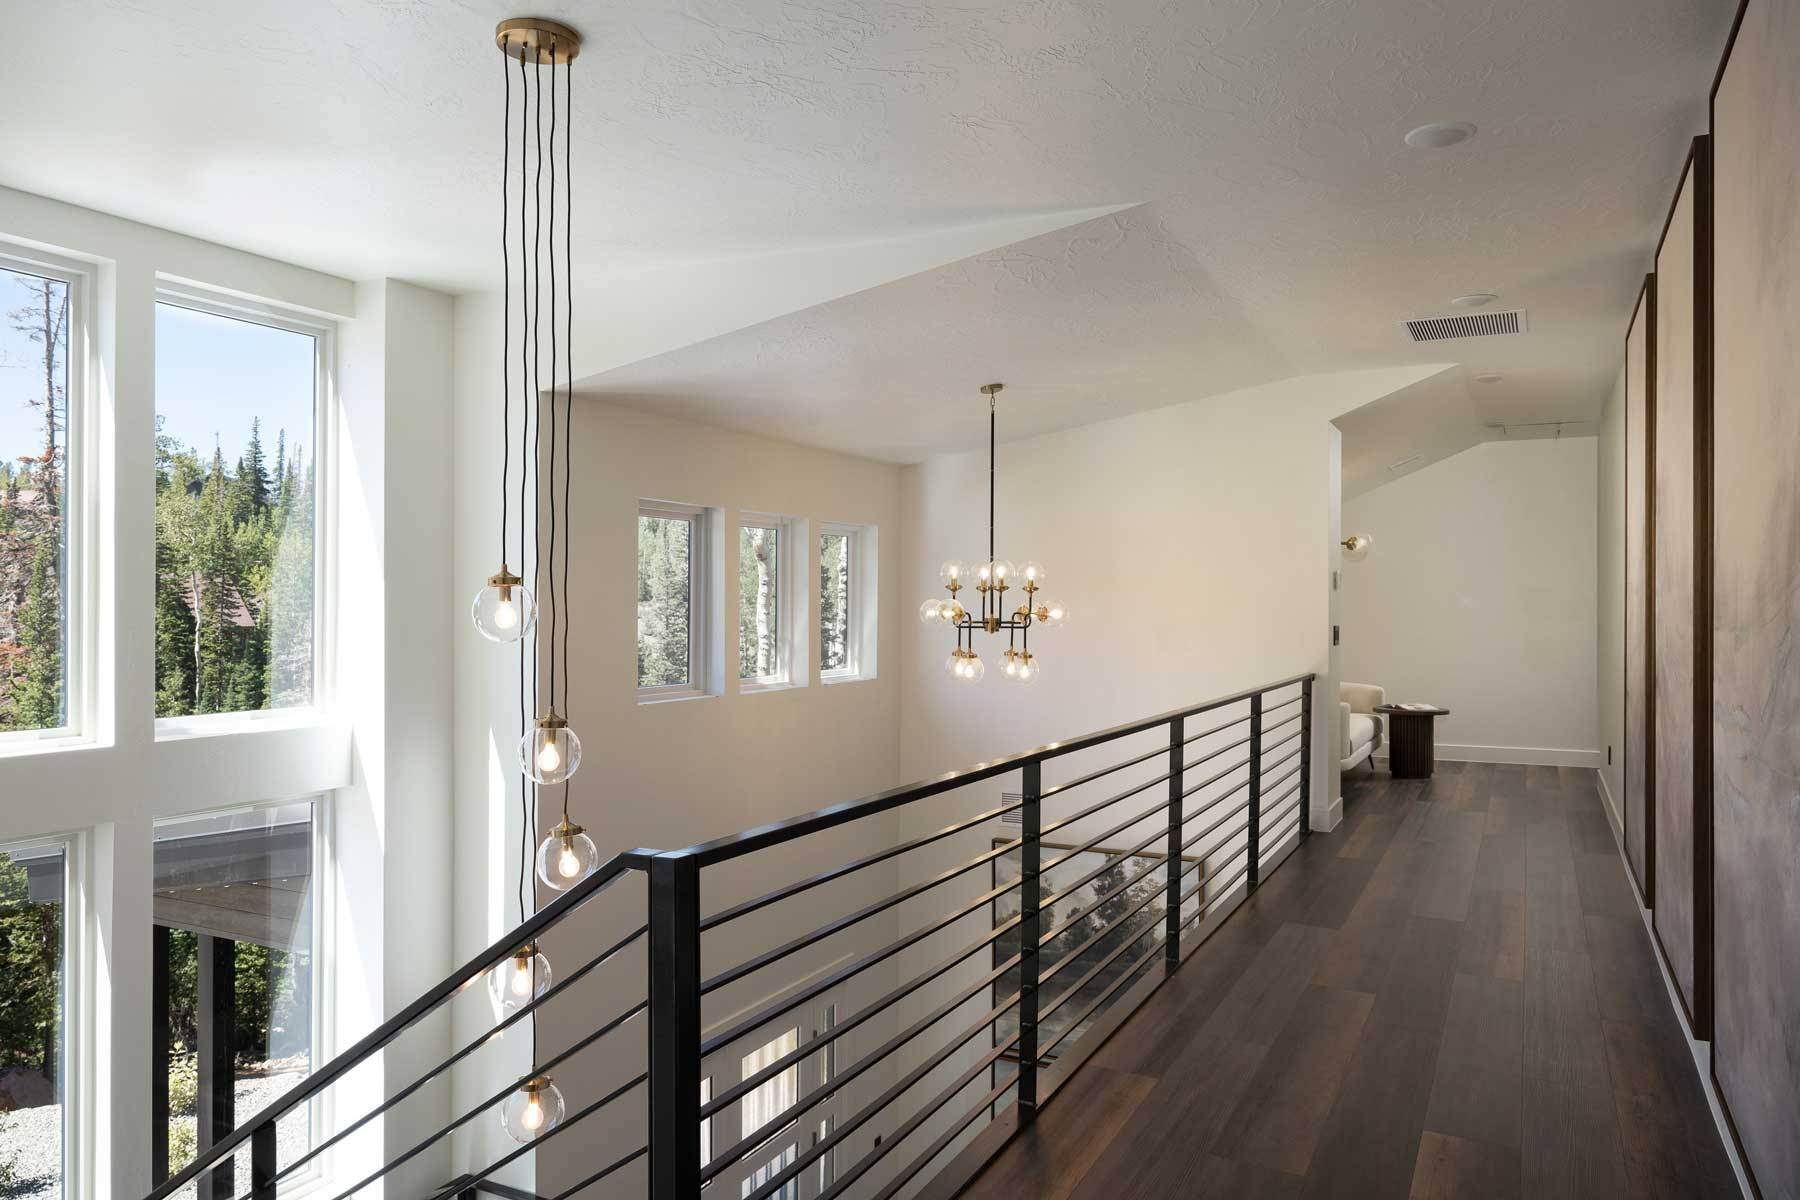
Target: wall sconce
1356, 546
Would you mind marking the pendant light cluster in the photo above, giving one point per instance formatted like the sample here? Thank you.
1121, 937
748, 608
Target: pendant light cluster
506, 609
993, 578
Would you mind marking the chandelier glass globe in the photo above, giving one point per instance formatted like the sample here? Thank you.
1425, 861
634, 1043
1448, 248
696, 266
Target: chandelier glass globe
1051, 613
934, 610
965, 665
532, 1111
1024, 668
520, 978
550, 752
503, 610
953, 571
566, 857
1031, 574
998, 573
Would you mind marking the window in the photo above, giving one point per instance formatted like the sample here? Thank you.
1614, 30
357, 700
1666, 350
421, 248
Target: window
238, 400
236, 925
705, 1125
671, 658
768, 1101
34, 994
846, 602
37, 309
761, 631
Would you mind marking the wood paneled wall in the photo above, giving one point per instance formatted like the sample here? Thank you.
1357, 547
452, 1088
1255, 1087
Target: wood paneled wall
1640, 452
1755, 716
1681, 668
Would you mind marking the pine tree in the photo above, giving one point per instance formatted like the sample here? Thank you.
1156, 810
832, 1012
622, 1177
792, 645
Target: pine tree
255, 470
36, 697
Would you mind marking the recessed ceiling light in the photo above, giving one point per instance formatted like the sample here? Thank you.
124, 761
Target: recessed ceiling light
1439, 134
1474, 300
1489, 377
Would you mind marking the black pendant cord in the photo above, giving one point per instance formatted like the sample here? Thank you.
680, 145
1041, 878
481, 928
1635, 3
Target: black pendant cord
569, 354
557, 610
526, 699
505, 306
993, 424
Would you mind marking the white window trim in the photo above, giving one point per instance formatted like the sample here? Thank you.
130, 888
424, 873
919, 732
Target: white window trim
81, 554
324, 335
864, 594
700, 553
791, 562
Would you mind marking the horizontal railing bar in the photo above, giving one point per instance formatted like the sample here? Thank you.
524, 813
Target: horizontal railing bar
763, 837
501, 1026
880, 856
863, 1115
1102, 773
1290, 758
580, 1115
1094, 842
602, 1173
1280, 800
1111, 925
1229, 813
1213, 802
938, 1144
1188, 741
1074, 989
936, 971
1047, 901
1205, 783
1214, 753
1268, 729
1130, 973
769, 957
820, 986
1289, 824
1225, 888
867, 1162
1271, 747
1091, 809
756, 1137
603, 877
1294, 699
1295, 770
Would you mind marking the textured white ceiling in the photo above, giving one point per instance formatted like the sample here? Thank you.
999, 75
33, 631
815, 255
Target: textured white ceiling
1285, 227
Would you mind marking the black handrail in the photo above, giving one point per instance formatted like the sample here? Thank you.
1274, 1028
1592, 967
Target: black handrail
673, 927
604, 876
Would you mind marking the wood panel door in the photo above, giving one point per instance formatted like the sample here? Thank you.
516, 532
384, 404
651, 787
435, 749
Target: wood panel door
1756, 620
1640, 453
1681, 633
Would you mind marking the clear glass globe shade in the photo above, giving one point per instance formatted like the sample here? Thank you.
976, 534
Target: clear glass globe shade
954, 570
550, 754
953, 665
1027, 670
519, 979
504, 614
932, 610
1031, 572
1052, 613
972, 669
532, 1111
565, 858
1000, 571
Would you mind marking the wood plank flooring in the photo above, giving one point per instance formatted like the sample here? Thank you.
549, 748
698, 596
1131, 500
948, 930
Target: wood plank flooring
1450, 996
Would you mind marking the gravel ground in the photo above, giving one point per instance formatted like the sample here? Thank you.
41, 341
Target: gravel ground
31, 1139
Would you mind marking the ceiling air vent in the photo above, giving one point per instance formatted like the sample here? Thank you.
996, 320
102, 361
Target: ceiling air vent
1440, 329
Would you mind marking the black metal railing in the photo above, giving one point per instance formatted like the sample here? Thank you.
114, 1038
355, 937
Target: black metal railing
921, 964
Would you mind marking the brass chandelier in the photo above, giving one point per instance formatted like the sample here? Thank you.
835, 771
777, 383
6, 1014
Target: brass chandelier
993, 578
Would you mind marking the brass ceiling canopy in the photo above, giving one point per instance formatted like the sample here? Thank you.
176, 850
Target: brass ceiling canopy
541, 40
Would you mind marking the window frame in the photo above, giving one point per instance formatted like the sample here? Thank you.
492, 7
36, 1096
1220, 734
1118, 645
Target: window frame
81, 549
699, 519
324, 333
861, 596
790, 602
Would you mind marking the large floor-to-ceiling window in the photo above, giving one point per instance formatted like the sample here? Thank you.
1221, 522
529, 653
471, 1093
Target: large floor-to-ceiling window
34, 1117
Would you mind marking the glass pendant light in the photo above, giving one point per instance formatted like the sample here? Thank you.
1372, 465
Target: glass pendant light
504, 610
1050, 613
533, 1110
522, 977
566, 856
550, 752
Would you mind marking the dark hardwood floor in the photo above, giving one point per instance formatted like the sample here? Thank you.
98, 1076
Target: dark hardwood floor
1451, 995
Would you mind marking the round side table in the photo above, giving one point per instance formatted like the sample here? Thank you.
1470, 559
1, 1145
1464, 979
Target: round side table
1411, 740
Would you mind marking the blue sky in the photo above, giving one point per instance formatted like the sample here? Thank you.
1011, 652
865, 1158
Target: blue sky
213, 374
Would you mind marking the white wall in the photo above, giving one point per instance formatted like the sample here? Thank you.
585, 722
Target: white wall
1610, 571
1479, 594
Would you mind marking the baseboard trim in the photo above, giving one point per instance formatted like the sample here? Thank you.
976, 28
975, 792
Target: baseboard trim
1612, 814
1334, 816
1526, 756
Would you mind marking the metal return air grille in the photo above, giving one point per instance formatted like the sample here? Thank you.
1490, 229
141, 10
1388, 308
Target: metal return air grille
1494, 324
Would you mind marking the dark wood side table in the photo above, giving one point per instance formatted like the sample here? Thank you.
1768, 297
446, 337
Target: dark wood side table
1411, 743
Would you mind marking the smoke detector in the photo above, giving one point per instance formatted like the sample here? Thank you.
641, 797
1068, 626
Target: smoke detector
1440, 134
1443, 329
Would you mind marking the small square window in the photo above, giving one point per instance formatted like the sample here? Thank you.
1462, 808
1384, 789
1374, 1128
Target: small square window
671, 609
846, 602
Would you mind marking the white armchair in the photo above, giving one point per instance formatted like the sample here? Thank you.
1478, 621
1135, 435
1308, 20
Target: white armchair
1359, 725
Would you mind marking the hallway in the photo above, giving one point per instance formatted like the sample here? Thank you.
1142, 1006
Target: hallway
1452, 995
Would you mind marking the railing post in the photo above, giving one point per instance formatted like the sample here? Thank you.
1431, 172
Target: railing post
1031, 791
262, 1162
674, 997
1306, 704
1254, 873
1172, 892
